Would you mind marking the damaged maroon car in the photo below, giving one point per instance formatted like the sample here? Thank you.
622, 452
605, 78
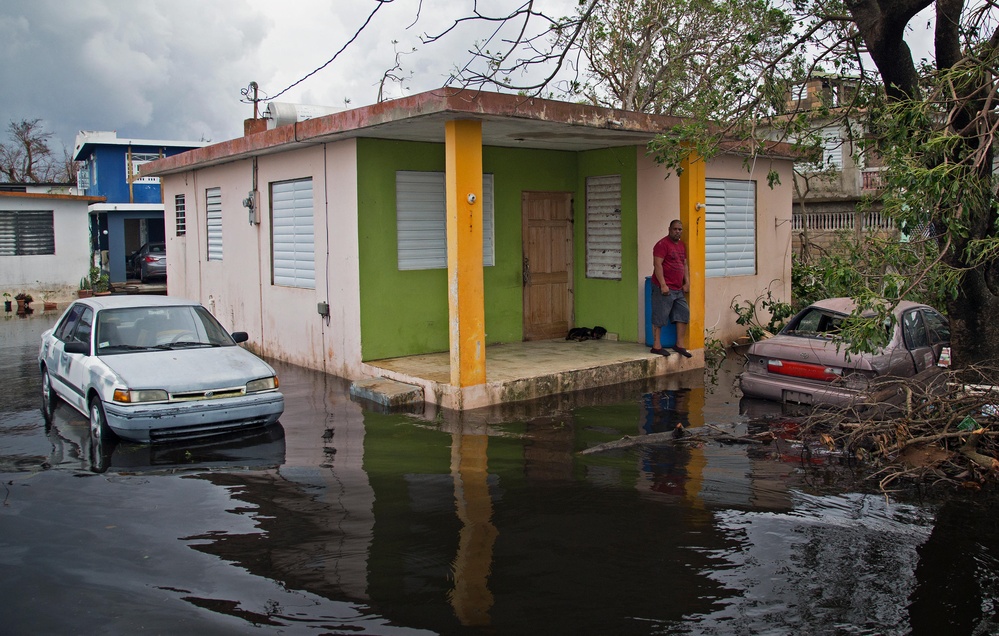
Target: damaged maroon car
806, 364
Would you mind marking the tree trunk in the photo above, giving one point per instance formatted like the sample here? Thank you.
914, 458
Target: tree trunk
974, 322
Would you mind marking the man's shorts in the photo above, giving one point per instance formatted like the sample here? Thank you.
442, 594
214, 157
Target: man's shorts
671, 307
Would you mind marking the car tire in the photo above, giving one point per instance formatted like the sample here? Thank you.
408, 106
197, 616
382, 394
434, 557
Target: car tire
49, 397
142, 275
100, 433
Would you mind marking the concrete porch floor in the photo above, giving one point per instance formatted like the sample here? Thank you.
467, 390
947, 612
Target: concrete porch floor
520, 371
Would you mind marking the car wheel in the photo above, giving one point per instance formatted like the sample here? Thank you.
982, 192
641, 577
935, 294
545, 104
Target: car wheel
48, 397
100, 434
142, 275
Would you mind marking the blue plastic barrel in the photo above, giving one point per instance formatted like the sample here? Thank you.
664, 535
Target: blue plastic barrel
668, 336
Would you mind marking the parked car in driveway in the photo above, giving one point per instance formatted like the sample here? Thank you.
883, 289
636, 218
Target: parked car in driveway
804, 363
154, 368
147, 262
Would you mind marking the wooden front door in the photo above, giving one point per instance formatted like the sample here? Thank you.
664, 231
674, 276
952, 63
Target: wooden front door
547, 264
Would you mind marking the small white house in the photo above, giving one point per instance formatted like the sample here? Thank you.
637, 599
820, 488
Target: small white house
44, 243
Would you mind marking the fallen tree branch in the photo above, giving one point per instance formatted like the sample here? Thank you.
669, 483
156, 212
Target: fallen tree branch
968, 450
677, 435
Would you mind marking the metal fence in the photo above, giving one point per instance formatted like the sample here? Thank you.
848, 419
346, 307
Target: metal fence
871, 221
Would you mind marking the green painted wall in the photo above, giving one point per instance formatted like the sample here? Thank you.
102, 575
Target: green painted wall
406, 312
612, 304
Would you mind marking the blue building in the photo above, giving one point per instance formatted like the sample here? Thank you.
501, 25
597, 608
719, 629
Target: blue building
133, 211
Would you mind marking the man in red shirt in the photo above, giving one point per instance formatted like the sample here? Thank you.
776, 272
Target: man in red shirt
672, 276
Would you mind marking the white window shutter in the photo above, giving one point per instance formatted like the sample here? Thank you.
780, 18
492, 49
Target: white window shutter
603, 227
730, 227
293, 234
421, 217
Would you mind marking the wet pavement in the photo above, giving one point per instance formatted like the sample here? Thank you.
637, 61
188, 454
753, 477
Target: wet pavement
348, 520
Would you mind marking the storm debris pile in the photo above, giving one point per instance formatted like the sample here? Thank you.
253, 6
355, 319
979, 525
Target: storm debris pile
937, 427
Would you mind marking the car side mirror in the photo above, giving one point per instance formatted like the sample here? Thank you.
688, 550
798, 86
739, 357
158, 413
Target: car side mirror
78, 347
240, 336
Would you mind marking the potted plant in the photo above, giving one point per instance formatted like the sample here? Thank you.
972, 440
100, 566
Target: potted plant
84, 291
23, 301
6, 301
47, 304
100, 282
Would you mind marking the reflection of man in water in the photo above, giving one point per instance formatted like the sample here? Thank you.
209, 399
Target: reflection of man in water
665, 463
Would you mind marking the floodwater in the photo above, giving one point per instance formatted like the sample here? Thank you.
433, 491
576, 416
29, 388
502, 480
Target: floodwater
345, 520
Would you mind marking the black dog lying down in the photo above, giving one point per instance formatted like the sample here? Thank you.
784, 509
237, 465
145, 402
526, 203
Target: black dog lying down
585, 333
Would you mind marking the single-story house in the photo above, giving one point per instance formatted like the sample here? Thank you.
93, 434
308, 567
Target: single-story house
44, 248
453, 220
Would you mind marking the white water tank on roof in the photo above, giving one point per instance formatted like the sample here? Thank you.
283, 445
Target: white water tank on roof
283, 113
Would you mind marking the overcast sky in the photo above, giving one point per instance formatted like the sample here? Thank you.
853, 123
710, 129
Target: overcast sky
173, 69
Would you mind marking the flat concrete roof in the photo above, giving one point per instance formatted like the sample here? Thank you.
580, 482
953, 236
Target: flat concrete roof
53, 195
88, 140
507, 120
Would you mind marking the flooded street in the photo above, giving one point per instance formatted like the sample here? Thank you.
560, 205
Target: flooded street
345, 520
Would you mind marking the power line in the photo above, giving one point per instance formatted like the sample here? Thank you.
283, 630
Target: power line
378, 5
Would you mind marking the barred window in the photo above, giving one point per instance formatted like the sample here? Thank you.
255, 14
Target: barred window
180, 208
27, 233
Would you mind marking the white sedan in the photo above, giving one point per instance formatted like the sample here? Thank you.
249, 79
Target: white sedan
154, 368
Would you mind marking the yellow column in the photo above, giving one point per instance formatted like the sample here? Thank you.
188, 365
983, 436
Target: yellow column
692, 200
466, 306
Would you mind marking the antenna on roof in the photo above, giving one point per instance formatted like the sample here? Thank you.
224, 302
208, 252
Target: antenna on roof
245, 92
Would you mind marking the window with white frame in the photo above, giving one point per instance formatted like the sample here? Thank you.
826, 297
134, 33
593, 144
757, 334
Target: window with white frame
293, 245
180, 214
730, 227
421, 220
603, 227
27, 233
137, 159
213, 215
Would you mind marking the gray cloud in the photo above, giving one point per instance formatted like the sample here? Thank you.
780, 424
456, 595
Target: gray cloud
174, 70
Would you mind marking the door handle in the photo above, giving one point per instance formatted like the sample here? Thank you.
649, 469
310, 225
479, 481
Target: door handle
527, 271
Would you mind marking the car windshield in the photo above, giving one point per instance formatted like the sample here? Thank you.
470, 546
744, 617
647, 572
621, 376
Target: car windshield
156, 328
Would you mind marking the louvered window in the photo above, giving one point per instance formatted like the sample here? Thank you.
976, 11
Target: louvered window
27, 233
421, 215
293, 234
213, 207
180, 211
603, 227
730, 228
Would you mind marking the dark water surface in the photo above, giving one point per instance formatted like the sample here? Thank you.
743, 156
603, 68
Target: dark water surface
344, 520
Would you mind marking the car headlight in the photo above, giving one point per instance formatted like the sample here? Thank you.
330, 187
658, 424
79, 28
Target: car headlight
263, 384
128, 396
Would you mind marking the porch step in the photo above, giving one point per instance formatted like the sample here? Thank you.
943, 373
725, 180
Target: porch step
386, 393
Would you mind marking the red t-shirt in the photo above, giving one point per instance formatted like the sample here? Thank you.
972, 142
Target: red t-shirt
674, 255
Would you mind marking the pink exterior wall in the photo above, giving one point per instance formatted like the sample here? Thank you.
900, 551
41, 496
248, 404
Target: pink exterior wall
658, 204
286, 318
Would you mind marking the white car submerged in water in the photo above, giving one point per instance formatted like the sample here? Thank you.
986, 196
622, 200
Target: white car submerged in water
155, 368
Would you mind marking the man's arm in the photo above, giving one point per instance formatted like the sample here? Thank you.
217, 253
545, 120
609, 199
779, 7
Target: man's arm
660, 279
686, 277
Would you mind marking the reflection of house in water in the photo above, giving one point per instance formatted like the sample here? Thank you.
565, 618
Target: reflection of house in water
479, 520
